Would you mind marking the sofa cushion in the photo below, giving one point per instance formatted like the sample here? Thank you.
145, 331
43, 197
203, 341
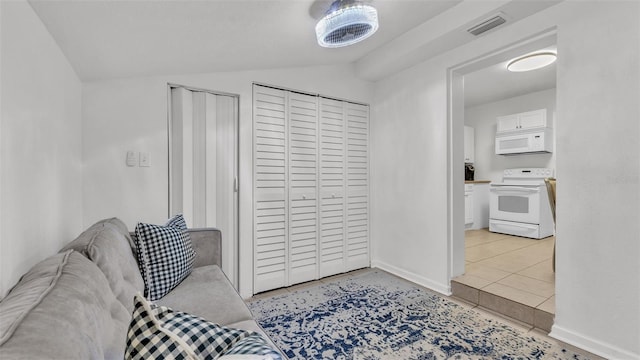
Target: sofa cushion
165, 256
160, 332
63, 308
206, 243
208, 294
107, 244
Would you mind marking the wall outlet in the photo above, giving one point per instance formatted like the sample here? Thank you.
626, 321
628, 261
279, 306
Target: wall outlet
132, 158
144, 159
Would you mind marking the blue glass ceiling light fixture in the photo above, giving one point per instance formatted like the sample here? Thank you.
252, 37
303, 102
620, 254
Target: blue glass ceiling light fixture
346, 22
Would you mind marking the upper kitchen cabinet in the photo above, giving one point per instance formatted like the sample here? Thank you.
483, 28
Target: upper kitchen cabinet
469, 144
522, 121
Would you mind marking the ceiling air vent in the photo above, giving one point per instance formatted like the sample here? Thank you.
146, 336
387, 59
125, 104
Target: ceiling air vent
488, 24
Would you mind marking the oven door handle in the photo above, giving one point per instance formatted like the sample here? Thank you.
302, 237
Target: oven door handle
514, 190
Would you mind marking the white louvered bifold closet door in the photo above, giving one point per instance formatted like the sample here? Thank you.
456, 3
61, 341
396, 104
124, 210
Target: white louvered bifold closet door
311, 170
357, 186
332, 187
271, 242
303, 187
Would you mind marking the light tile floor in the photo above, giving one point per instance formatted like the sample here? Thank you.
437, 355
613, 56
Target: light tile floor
483, 311
512, 267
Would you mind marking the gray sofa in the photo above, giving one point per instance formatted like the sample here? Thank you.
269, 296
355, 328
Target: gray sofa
77, 304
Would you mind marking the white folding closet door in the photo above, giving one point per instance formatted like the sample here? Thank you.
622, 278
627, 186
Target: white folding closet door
303, 187
332, 187
311, 171
204, 165
271, 228
357, 218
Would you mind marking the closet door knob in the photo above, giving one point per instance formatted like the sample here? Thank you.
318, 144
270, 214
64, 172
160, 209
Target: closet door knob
304, 197
333, 196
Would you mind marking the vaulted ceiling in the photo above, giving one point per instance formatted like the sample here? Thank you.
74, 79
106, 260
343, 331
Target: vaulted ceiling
110, 39
104, 39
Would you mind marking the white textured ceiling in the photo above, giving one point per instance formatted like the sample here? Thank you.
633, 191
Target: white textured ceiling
127, 38
106, 38
496, 82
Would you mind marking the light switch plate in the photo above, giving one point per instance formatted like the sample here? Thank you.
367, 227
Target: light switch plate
144, 159
132, 158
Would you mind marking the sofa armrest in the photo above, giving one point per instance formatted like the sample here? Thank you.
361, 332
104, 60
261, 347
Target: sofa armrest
207, 242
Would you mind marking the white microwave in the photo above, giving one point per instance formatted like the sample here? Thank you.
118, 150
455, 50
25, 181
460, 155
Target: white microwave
525, 142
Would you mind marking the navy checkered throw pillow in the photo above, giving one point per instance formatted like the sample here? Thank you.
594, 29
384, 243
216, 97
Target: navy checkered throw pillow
254, 345
158, 332
165, 255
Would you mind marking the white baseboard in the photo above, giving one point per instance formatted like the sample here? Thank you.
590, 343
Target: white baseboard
444, 289
591, 345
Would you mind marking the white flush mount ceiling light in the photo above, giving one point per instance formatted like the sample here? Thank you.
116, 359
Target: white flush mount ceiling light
346, 22
532, 61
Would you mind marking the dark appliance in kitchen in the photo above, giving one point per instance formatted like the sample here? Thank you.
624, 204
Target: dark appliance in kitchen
469, 170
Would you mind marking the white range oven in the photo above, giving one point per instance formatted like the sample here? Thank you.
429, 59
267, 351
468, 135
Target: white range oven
520, 204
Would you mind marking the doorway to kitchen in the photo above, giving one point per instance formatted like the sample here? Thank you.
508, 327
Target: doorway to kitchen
511, 275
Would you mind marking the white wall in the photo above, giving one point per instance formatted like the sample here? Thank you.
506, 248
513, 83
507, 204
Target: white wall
488, 165
598, 171
40, 147
408, 177
598, 274
131, 114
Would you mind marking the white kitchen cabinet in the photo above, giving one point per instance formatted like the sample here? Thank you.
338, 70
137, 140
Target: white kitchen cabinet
480, 206
521, 121
468, 204
469, 144
476, 205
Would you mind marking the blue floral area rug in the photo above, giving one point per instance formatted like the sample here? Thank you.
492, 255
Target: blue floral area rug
375, 315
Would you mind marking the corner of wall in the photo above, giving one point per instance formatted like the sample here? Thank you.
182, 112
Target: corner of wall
591, 345
42, 171
444, 289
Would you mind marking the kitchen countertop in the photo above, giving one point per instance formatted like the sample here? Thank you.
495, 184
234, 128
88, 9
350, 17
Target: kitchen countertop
477, 181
